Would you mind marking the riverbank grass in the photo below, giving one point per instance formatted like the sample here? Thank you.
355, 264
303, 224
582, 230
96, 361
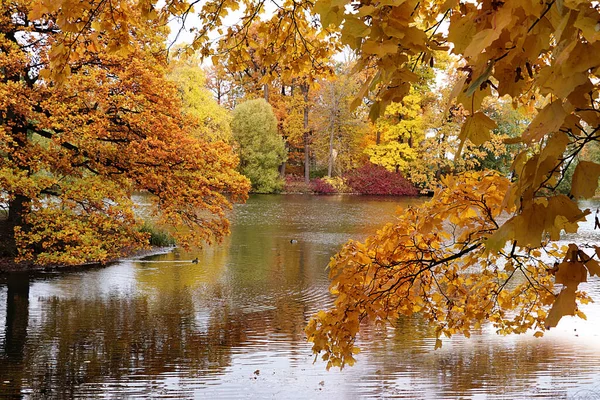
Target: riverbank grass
158, 237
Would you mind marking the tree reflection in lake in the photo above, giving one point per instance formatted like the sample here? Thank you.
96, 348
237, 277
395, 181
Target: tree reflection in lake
232, 325
12, 352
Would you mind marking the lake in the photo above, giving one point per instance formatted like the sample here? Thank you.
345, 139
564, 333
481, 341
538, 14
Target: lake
232, 325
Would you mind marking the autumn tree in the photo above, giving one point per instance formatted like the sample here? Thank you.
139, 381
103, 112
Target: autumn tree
399, 133
85, 123
289, 49
510, 122
260, 148
223, 86
339, 130
442, 119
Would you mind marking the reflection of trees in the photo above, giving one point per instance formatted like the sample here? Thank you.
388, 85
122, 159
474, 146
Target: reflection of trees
15, 336
106, 339
80, 344
253, 293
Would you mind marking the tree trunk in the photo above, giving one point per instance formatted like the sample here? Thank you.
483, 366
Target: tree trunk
330, 166
16, 210
266, 92
306, 136
331, 131
282, 170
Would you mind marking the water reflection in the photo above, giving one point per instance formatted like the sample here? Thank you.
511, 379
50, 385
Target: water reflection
15, 334
232, 325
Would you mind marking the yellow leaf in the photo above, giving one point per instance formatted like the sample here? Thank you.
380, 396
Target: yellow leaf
473, 102
498, 239
593, 267
563, 305
355, 28
546, 121
438, 344
529, 225
486, 37
375, 111
562, 213
380, 49
585, 179
476, 128
571, 274
460, 33
538, 334
365, 10
555, 147
589, 26
330, 15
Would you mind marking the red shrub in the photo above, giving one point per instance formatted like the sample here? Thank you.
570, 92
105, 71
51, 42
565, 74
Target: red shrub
319, 186
296, 184
373, 179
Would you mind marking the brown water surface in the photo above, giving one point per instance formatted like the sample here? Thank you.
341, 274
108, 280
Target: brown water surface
232, 325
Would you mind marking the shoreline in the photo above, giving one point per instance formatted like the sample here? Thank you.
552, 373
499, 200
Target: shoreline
9, 266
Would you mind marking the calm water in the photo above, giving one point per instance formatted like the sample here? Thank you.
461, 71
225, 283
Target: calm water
232, 325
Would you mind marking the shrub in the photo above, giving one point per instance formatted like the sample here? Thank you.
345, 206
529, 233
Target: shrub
373, 179
338, 184
296, 184
320, 186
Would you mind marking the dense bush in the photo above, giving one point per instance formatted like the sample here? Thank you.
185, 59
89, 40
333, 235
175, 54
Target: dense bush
373, 179
338, 184
320, 186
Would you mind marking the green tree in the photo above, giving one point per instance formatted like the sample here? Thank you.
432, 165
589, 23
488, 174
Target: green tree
214, 121
260, 148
